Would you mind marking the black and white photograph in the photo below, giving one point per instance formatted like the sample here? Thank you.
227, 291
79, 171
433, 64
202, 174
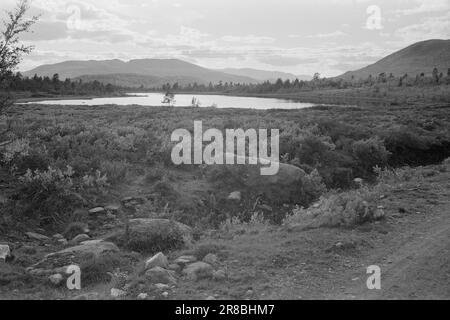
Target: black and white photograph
220, 157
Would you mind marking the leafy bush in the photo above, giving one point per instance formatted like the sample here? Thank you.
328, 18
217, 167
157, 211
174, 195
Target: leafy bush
47, 195
338, 209
370, 153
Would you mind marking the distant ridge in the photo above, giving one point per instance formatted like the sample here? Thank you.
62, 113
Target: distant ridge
421, 57
264, 75
138, 72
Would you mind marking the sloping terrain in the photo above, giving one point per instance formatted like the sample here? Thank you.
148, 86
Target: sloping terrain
421, 57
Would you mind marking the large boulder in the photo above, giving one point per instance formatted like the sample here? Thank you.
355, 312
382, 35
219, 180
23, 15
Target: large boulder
58, 261
158, 260
282, 187
5, 252
198, 270
160, 275
153, 235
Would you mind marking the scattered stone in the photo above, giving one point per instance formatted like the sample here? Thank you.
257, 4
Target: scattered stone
219, 275
63, 242
184, 260
79, 238
142, 296
158, 260
211, 259
97, 210
92, 242
56, 279
165, 294
359, 181
160, 275
112, 208
210, 298
161, 286
117, 293
198, 270
379, 213
58, 236
37, 236
235, 196
5, 252
174, 267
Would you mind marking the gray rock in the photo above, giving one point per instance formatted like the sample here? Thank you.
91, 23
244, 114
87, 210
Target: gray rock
5, 252
198, 270
75, 255
117, 293
112, 208
184, 260
63, 242
79, 238
235, 196
56, 279
161, 286
174, 267
96, 210
160, 275
219, 275
37, 236
211, 259
158, 260
283, 187
142, 296
58, 236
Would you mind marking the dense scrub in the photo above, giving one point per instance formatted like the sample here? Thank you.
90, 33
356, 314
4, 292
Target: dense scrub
63, 158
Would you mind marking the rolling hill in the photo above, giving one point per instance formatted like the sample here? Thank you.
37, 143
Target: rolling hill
137, 72
420, 57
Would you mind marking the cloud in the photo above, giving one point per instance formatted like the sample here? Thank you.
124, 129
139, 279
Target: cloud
425, 6
428, 28
278, 60
328, 35
251, 39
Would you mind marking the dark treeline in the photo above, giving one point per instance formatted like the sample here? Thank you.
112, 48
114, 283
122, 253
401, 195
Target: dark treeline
317, 83
37, 84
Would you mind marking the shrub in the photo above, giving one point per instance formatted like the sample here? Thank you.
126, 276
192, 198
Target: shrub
338, 209
47, 195
370, 153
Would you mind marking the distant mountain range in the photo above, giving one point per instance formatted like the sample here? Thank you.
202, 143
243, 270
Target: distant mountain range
421, 57
151, 72
142, 71
263, 75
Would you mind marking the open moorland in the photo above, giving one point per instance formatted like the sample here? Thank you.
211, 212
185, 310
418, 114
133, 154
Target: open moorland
359, 185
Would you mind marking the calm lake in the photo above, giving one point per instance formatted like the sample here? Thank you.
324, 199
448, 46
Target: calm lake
184, 100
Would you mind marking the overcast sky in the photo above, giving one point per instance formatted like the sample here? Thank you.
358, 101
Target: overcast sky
301, 37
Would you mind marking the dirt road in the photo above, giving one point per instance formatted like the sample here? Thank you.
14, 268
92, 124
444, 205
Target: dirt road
412, 248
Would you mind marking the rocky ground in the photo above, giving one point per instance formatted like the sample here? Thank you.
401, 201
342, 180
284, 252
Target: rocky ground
254, 260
